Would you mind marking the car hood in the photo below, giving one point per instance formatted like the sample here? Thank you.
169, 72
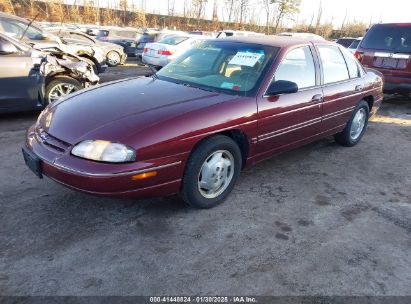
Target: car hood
116, 110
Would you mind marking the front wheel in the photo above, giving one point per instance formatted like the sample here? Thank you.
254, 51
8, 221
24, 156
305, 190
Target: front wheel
113, 59
356, 126
211, 172
60, 87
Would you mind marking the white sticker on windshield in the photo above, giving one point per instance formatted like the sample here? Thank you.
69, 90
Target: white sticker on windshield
246, 58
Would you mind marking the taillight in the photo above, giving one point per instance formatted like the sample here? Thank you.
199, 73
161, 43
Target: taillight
145, 50
165, 52
358, 55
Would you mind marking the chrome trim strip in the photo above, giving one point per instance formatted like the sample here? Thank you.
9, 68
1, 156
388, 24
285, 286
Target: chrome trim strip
288, 131
382, 54
338, 113
290, 128
114, 174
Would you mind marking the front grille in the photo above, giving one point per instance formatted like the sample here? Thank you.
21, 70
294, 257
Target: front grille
51, 141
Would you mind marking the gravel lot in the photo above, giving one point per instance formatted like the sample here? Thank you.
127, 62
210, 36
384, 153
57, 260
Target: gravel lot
321, 220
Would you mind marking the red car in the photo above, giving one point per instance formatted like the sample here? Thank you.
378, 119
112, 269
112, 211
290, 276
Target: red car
387, 48
191, 128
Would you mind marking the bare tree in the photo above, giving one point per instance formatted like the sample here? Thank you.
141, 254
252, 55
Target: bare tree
171, 5
243, 6
269, 6
286, 9
230, 7
319, 16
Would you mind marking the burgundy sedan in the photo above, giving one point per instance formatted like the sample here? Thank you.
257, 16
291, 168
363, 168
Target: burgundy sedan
190, 129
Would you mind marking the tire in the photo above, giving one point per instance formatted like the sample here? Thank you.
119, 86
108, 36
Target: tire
224, 172
64, 82
356, 126
113, 59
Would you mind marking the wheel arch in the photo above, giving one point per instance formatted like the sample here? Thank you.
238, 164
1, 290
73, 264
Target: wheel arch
370, 100
237, 135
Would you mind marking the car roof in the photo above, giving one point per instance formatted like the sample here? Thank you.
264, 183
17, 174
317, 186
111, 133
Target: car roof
273, 40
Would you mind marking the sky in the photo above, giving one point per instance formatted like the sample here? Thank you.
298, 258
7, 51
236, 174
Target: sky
368, 11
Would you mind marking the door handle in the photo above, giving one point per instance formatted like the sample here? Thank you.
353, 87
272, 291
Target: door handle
317, 98
359, 88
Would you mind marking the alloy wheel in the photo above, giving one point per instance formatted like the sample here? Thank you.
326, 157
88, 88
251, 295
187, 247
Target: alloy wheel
61, 90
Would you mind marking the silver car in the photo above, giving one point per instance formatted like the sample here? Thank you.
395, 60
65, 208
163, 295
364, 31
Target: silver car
114, 53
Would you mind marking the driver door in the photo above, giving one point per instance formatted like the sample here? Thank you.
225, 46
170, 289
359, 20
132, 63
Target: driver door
289, 120
19, 83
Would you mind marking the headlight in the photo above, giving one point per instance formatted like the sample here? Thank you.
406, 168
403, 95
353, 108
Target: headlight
104, 151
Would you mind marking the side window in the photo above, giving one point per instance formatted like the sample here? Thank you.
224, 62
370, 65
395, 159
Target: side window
353, 66
298, 66
334, 66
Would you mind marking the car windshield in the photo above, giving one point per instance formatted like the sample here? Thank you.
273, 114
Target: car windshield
228, 67
173, 40
388, 37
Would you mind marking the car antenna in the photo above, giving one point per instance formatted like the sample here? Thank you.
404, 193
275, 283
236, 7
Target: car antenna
28, 25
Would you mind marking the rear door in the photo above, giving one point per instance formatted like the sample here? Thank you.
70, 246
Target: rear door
342, 86
387, 48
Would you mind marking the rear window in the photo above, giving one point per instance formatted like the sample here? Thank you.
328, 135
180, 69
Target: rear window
345, 42
388, 37
355, 44
146, 38
173, 40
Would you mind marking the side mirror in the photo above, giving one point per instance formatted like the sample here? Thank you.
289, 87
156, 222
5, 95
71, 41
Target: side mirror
281, 87
7, 48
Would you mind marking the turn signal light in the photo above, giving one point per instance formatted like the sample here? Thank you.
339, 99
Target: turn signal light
145, 50
144, 175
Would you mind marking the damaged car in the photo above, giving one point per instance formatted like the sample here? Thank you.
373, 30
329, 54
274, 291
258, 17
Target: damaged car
30, 79
24, 30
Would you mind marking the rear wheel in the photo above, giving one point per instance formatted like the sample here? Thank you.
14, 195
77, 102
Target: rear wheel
211, 172
356, 126
60, 87
113, 58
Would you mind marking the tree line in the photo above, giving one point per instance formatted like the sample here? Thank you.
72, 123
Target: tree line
265, 16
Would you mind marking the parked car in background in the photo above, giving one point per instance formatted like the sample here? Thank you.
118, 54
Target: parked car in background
302, 35
114, 53
30, 79
230, 33
160, 53
346, 41
23, 29
122, 36
387, 48
191, 128
142, 41
354, 45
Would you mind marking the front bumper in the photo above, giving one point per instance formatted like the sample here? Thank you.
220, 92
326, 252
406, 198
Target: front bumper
102, 179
